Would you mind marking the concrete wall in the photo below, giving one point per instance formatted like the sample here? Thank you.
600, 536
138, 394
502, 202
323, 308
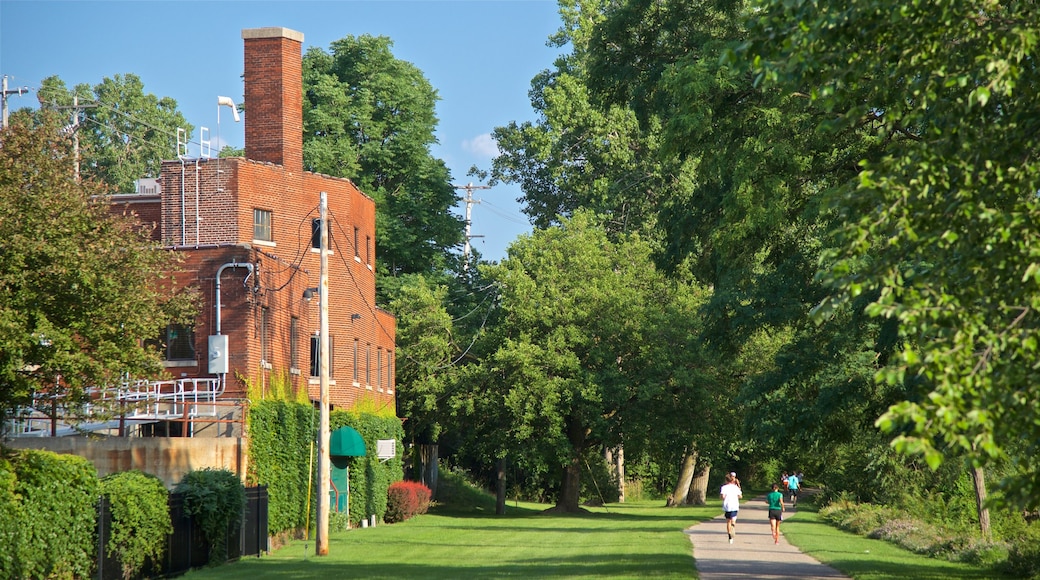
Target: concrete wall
168, 458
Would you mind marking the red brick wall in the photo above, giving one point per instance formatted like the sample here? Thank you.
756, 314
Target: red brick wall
146, 209
206, 189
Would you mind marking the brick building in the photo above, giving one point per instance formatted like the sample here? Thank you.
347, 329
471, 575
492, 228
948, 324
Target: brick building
248, 231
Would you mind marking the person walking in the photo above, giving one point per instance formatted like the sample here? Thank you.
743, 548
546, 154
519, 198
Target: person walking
731, 495
775, 499
792, 485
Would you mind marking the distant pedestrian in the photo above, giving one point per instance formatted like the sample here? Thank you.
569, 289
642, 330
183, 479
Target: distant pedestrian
775, 499
731, 495
792, 486
783, 480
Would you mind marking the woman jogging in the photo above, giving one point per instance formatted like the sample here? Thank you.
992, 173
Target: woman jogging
731, 495
775, 499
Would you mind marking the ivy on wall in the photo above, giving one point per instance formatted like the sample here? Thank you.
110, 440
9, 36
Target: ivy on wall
282, 456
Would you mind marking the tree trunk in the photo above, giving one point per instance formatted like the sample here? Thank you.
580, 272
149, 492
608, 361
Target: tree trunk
500, 488
678, 495
570, 493
429, 459
698, 494
615, 459
570, 490
619, 462
979, 478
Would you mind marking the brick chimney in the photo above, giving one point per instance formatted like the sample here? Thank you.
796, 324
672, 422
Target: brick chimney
274, 96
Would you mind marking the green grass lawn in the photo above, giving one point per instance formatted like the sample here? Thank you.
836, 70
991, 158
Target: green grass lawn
867, 559
632, 540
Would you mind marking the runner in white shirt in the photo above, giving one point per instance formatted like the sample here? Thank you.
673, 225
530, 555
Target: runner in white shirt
731, 495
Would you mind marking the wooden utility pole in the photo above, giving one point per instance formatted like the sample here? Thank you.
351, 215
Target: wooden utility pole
469, 187
3, 97
321, 544
74, 127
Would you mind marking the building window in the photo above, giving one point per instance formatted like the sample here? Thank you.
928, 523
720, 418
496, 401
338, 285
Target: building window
316, 355
368, 364
177, 342
368, 249
294, 343
357, 250
262, 225
379, 367
316, 235
264, 331
356, 360
389, 371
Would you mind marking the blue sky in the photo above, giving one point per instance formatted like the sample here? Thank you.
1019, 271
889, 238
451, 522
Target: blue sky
480, 55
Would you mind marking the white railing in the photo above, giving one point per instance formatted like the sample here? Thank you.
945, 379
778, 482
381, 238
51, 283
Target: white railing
136, 401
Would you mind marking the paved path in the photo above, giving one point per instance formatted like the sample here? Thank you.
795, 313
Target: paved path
752, 554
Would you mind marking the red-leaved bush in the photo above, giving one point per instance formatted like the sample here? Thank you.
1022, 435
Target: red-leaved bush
406, 499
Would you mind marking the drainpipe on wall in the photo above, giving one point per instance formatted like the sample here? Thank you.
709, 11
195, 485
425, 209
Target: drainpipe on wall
218, 345
220, 271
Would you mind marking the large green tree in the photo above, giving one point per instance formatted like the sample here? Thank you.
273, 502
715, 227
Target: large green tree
370, 117
79, 288
945, 226
748, 217
124, 133
570, 356
578, 155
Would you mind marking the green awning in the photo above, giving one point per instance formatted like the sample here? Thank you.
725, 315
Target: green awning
346, 442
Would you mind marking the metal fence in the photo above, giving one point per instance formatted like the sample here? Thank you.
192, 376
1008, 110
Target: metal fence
185, 547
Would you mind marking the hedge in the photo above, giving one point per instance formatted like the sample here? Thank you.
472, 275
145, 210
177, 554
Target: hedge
53, 500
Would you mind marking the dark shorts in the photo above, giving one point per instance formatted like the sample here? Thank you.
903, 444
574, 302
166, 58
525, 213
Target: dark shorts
777, 515
731, 515
794, 491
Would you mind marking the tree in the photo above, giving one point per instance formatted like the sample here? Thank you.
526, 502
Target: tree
370, 117
79, 288
945, 225
124, 133
579, 155
567, 363
749, 220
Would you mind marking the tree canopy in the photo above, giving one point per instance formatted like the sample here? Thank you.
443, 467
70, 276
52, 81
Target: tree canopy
944, 224
370, 117
124, 132
79, 288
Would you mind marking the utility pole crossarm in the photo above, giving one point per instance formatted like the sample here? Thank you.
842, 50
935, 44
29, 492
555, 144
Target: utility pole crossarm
3, 97
469, 187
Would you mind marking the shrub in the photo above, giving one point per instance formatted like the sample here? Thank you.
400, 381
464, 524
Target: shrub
11, 534
216, 500
58, 496
406, 499
141, 523
1024, 554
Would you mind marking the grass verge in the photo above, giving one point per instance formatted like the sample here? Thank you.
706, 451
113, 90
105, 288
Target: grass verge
867, 559
632, 540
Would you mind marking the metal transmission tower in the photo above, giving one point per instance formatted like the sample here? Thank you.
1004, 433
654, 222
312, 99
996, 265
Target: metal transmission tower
469, 187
